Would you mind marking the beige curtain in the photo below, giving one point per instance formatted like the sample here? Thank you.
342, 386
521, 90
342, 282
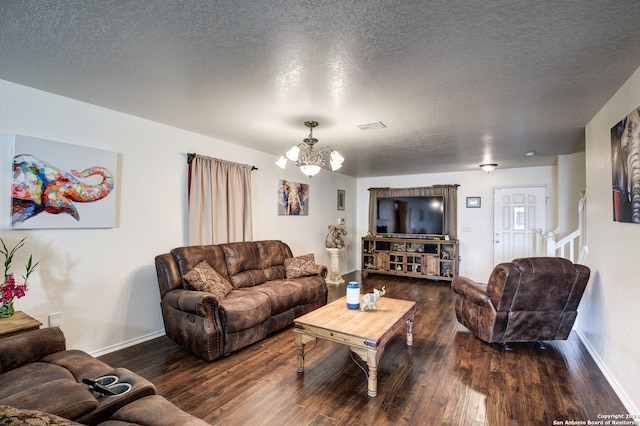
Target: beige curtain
450, 193
374, 194
219, 201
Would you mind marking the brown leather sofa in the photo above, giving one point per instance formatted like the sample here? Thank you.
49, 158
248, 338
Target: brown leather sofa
528, 299
40, 379
268, 290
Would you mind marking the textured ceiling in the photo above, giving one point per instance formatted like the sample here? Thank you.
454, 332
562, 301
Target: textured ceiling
457, 83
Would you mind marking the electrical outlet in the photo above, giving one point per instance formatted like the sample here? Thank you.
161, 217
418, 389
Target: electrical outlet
55, 319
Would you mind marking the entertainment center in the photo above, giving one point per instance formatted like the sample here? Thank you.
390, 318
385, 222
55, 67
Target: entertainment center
414, 257
412, 232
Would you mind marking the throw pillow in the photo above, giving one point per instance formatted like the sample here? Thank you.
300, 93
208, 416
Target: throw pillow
10, 416
300, 266
204, 278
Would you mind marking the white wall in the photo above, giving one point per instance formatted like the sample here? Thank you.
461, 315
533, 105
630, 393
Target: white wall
103, 280
475, 226
610, 315
571, 181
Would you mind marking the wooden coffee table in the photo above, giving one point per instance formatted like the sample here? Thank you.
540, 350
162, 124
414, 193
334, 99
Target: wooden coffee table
366, 333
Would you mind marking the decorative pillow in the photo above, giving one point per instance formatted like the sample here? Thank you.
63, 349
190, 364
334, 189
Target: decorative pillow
300, 266
204, 278
10, 416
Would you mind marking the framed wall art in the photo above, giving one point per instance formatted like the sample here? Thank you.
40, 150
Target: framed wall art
341, 195
293, 198
473, 202
58, 185
625, 168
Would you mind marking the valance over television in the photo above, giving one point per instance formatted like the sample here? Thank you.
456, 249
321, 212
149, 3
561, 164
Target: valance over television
448, 192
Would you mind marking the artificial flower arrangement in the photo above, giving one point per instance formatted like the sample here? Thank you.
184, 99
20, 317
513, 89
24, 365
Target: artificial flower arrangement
10, 289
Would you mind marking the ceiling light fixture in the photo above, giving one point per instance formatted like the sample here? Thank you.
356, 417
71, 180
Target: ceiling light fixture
488, 167
309, 160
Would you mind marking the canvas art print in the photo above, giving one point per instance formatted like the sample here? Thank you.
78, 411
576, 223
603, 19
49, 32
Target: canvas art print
57, 185
293, 198
625, 168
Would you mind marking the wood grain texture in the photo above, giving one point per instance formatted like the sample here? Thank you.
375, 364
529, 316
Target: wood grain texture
369, 325
448, 377
17, 323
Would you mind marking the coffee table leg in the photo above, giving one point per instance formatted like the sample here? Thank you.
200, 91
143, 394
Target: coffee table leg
300, 350
409, 332
371, 356
372, 384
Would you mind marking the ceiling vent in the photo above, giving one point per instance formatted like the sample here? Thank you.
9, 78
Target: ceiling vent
372, 126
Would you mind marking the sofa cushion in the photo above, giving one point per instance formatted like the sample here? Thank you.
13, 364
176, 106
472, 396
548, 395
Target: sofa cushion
153, 410
311, 289
272, 253
283, 294
64, 397
11, 416
204, 278
243, 264
248, 278
244, 309
26, 376
79, 363
275, 272
300, 266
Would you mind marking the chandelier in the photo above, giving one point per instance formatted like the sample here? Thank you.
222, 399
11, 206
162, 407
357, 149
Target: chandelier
309, 160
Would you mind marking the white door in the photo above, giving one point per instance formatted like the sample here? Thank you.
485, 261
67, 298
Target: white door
518, 214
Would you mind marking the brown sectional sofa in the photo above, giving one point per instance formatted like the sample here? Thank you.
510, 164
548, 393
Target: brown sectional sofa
267, 294
41, 382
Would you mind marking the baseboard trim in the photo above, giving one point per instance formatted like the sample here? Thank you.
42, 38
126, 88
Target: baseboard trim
619, 390
127, 344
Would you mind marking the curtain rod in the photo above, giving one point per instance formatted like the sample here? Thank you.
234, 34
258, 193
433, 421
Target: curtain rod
192, 155
419, 187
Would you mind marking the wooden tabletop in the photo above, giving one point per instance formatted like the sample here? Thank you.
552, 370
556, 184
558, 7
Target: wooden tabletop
18, 323
368, 324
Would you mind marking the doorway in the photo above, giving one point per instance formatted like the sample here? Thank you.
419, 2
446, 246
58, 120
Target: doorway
519, 213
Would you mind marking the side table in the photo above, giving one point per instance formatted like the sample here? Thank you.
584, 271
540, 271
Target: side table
17, 323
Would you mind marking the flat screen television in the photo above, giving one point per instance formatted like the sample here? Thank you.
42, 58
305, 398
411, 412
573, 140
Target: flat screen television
420, 217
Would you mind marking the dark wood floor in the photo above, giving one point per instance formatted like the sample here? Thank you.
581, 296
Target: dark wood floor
448, 377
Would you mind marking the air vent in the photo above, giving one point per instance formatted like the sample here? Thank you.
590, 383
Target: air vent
372, 126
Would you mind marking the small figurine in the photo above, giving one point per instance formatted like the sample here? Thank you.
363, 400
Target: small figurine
447, 273
446, 254
370, 300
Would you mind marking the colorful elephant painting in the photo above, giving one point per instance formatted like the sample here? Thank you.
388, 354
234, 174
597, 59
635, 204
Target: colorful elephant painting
40, 187
293, 198
625, 161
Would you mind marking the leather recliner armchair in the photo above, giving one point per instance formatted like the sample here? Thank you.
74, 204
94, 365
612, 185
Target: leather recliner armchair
528, 299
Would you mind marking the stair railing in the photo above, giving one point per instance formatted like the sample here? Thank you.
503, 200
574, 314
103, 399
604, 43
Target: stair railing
572, 246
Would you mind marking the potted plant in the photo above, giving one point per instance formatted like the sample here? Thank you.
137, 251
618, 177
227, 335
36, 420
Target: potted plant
10, 288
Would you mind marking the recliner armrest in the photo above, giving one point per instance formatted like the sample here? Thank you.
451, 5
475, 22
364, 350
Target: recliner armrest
471, 290
25, 348
200, 303
322, 271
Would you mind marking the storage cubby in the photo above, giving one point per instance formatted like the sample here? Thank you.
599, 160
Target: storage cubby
421, 258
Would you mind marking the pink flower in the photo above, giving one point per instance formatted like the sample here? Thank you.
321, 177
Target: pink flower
10, 289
